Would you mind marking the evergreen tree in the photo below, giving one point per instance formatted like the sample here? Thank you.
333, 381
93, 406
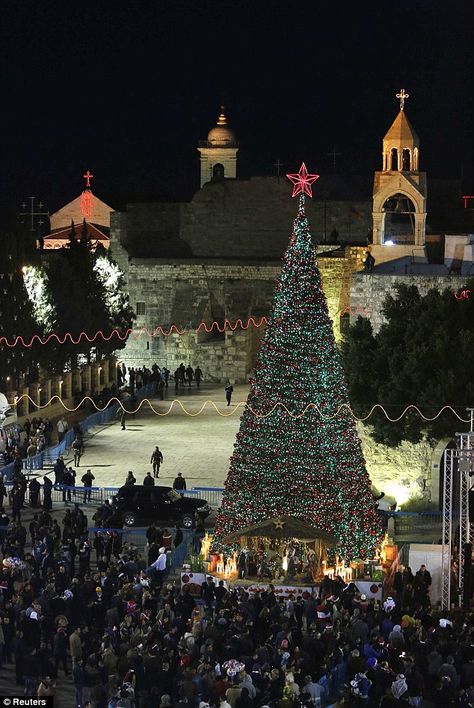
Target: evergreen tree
16, 316
420, 356
308, 464
86, 293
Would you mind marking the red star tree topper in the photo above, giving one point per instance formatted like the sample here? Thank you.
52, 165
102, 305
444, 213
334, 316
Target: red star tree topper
302, 181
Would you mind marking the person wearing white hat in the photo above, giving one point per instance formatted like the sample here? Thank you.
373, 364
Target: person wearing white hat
158, 568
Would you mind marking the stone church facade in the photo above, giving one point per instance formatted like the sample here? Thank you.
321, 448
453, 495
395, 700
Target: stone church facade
216, 258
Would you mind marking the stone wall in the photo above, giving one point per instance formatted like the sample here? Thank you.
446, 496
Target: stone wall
186, 293
239, 219
368, 292
401, 472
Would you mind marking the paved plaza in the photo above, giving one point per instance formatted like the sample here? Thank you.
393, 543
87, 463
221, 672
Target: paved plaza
199, 446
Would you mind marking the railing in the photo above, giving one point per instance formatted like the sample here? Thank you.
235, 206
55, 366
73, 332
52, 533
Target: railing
52, 453
213, 495
137, 537
417, 522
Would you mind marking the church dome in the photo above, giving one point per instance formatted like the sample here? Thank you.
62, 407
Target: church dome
221, 135
402, 132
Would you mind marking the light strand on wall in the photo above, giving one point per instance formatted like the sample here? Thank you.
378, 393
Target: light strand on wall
237, 406
159, 330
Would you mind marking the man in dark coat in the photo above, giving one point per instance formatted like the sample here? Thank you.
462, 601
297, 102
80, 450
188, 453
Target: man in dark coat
34, 487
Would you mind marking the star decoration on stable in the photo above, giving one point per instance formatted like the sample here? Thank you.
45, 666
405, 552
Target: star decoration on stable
302, 182
279, 523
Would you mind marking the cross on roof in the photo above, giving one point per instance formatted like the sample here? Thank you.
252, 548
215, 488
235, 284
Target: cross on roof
278, 164
334, 156
35, 210
402, 96
87, 176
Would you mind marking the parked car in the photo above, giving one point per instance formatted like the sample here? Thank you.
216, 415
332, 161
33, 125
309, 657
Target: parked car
136, 505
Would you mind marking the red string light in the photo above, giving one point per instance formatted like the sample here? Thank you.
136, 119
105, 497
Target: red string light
159, 330
463, 295
173, 329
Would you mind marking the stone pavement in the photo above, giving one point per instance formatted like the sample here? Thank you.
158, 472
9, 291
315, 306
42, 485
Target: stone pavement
199, 447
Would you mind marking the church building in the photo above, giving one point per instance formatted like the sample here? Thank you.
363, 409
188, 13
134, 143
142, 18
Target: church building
214, 260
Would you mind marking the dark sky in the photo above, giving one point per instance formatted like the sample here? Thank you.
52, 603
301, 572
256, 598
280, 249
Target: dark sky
127, 89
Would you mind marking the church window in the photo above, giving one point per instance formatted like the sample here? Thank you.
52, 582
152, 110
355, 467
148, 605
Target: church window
141, 308
394, 159
406, 160
218, 171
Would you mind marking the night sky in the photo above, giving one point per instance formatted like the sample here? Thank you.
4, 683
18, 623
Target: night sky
127, 89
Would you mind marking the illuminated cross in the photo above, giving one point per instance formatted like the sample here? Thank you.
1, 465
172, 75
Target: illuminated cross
334, 156
402, 96
88, 178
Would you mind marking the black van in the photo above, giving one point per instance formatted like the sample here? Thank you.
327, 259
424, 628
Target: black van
136, 505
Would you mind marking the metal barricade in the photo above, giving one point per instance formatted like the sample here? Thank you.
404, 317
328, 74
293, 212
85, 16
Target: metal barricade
213, 495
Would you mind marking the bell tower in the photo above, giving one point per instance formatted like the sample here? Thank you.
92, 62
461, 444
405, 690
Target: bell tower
399, 196
219, 152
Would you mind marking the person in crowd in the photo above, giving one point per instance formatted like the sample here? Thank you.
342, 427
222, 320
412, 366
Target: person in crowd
156, 461
78, 450
69, 481
130, 479
34, 487
148, 480
189, 375
198, 375
87, 479
62, 428
47, 494
179, 483
369, 262
229, 390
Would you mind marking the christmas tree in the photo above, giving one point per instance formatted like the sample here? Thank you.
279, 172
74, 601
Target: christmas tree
302, 462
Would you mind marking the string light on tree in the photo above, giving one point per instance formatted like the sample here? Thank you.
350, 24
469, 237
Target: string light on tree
310, 467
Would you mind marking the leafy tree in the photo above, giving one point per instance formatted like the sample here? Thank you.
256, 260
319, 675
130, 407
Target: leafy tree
422, 354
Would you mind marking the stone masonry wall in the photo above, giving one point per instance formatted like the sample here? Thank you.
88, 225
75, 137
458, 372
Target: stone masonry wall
368, 291
187, 293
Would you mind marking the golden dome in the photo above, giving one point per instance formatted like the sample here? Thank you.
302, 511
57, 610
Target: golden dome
221, 135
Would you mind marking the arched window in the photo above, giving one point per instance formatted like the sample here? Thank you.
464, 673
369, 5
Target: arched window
218, 171
406, 160
394, 159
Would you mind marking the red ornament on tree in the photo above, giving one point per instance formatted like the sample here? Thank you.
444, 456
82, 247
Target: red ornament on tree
302, 181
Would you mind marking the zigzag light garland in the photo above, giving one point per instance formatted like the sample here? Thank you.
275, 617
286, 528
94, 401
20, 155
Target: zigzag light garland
159, 330
240, 404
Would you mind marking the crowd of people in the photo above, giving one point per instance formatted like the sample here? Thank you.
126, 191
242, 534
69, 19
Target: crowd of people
185, 375
105, 619
20, 442
134, 378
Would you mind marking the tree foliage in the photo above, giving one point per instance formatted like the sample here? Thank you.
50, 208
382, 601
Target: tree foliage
85, 290
422, 355
16, 314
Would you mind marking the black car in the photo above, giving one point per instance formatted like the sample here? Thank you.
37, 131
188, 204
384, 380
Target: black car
136, 505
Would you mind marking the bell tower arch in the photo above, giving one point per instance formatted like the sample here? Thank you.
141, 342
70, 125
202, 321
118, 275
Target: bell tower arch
399, 196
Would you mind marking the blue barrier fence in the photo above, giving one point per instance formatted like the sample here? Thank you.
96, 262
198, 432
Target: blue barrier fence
137, 537
51, 454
